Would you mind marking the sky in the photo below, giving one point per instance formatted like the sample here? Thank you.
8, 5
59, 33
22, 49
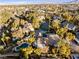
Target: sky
33, 1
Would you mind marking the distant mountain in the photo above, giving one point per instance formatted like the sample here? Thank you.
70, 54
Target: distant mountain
73, 2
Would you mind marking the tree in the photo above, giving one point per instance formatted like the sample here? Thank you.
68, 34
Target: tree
70, 36
5, 15
5, 39
61, 31
31, 40
27, 51
63, 48
15, 24
55, 24
38, 51
36, 23
68, 16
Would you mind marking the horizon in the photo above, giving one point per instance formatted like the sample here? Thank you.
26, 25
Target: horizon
25, 2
